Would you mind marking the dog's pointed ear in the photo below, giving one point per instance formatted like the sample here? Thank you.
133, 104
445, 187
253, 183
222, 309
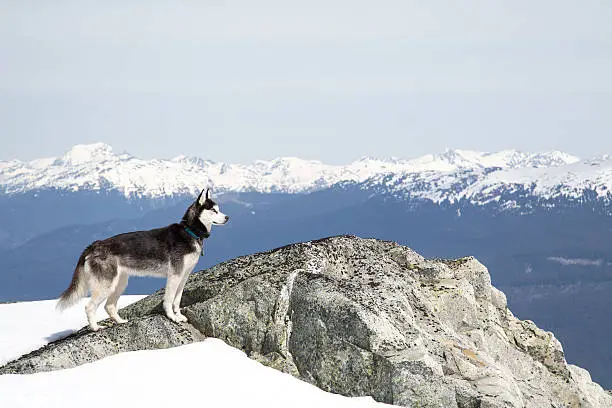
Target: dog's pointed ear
202, 197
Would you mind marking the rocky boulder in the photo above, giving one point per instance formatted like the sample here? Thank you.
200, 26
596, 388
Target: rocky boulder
357, 317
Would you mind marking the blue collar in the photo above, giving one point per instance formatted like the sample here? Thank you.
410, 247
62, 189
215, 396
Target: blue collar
190, 232
194, 235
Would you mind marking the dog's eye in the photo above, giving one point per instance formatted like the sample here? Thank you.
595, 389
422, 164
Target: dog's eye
215, 211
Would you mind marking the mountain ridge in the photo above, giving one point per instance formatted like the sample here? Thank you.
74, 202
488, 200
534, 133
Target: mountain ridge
97, 167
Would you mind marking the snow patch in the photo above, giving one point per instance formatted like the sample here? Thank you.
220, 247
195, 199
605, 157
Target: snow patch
576, 261
27, 326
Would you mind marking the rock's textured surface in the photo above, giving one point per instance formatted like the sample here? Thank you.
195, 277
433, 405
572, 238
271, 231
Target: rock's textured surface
358, 317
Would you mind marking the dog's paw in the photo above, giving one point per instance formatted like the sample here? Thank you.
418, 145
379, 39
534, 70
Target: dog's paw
177, 318
173, 317
94, 328
121, 321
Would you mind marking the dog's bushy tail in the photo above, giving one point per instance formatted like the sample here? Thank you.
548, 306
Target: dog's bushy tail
78, 285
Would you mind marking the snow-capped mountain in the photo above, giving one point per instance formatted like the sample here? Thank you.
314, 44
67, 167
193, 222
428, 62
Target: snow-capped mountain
451, 175
558, 176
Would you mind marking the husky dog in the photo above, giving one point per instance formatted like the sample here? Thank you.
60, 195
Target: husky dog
172, 252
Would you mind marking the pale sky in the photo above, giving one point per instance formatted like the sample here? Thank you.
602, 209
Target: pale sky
331, 80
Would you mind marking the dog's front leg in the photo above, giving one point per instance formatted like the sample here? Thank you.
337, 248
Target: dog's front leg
176, 304
172, 285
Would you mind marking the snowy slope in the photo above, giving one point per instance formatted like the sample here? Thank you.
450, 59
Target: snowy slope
20, 335
452, 175
479, 186
209, 373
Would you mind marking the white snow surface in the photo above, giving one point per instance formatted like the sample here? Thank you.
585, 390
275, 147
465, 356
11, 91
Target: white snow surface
27, 326
208, 373
97, 167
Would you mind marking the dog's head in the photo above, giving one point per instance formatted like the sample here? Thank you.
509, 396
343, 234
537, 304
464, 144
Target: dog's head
208, 211
203, 213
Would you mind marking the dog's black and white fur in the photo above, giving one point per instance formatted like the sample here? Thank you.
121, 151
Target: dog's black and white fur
173, 251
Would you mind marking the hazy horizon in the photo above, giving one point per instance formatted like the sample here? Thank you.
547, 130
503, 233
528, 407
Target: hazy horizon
119, 152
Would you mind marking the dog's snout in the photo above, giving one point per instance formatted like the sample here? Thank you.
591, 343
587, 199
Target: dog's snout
226, 218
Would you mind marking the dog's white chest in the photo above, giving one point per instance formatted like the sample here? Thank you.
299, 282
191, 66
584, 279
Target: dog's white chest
190, 260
